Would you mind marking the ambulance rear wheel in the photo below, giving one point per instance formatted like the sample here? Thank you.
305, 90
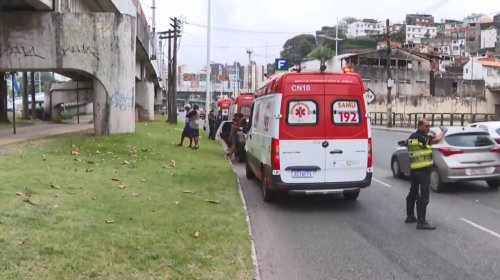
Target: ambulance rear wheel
351, 195
248, 171
267, 194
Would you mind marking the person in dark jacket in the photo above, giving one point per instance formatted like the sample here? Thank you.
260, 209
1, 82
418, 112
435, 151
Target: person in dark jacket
186, 132
211, 124
194, 117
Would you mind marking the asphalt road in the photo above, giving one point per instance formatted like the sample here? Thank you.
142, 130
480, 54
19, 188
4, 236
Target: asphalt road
329, 238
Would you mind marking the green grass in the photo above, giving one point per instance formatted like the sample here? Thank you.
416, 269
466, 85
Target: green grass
85, 227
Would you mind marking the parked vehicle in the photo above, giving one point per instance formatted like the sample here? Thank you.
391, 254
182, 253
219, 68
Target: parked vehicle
465, 154
223, 106
493, 129
243, 104
309, 133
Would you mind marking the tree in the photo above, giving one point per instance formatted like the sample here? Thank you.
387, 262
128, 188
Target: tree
322, 54
270, 69
343, 23
400, 36
298, 47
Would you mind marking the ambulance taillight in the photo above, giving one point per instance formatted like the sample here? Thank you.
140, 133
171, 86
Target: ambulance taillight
370, 153
275, 154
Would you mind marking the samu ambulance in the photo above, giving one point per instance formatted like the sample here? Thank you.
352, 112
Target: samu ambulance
310, 133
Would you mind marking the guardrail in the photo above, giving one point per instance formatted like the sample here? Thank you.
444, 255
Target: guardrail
436, 119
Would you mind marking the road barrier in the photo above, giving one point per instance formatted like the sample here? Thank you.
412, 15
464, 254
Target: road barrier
436, 119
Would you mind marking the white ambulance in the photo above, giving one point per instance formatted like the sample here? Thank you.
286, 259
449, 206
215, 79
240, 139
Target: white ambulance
310, 133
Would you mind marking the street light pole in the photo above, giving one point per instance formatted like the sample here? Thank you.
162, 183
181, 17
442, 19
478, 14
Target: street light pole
207, 97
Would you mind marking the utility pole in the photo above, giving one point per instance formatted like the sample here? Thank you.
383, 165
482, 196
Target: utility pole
153, 10
77, 103
249, 52
171, 97
176, 24
13, 102
337, 38
208, 97
33, 101
25, 96
4, 118
389, 76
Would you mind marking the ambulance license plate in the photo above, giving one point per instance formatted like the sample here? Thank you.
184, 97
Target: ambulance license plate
302, 174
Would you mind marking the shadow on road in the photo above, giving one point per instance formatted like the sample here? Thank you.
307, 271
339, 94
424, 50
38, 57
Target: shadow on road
316, 203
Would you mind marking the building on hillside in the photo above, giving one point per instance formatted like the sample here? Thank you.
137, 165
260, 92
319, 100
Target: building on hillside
450, 26
413, 73
458, 42
395, 28
437, 46
489, 37
419, 19
415, 33
364, 28
487, 69
382, 44
476, 19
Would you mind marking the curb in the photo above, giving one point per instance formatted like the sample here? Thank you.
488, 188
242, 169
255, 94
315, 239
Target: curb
401, 130
249, 226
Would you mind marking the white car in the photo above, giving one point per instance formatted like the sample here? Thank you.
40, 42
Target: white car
493, 129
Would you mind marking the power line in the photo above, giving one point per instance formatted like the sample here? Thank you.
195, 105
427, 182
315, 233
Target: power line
246, 30
436, 6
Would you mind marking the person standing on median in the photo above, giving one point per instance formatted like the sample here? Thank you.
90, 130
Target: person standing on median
187, 131
194, 117
211, 124
420, 152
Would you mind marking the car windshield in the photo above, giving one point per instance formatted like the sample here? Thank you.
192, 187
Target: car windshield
469, 140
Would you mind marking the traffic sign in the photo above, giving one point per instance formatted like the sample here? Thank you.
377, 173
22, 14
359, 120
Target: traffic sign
369, 96
281, 65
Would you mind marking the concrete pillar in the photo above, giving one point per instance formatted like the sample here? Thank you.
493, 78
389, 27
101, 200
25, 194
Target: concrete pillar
101, 109
145, 99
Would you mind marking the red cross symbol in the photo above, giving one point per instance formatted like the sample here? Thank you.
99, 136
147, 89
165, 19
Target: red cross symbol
300, 112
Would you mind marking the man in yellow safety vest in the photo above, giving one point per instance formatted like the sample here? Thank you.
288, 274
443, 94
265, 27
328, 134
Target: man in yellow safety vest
420, 152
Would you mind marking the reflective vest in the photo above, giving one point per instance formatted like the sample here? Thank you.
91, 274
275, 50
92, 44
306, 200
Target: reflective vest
420, 155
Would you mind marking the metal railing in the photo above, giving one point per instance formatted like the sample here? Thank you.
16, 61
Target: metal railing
436, 119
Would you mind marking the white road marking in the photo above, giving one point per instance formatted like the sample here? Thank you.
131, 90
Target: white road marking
481, 228
382, 183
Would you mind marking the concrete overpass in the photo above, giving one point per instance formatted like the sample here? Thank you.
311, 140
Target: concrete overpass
107, 45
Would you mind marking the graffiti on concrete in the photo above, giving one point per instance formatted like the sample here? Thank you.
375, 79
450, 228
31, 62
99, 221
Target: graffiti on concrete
121, 101
82, 49
22, 50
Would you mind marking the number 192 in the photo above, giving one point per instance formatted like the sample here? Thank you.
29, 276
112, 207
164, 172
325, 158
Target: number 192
348, 117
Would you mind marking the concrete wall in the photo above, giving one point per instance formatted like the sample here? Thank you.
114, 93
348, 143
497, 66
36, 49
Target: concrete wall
145, 98
452, 87
431, 104
101, 45
407, 82
65, 94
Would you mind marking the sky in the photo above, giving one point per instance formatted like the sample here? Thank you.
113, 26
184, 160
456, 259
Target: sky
264, 25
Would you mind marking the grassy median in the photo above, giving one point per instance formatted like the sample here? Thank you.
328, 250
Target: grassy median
121, 207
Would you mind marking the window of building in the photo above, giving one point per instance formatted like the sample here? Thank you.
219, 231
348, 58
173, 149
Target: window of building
489, 72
